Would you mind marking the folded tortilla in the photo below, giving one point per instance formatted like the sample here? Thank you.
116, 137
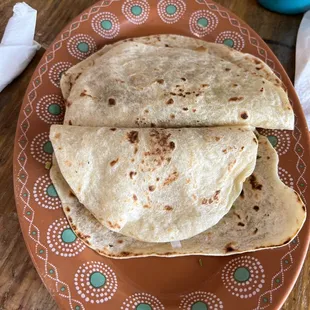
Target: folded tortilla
155, 185
174, 81
267, 214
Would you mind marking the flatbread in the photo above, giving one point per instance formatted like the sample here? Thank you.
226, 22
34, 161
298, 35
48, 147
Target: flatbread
268, 214
195, 83
155, 185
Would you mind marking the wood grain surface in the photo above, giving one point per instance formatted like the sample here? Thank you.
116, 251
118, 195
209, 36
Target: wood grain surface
20, 285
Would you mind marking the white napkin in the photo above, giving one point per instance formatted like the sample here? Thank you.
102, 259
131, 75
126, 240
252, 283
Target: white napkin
302, 72
17, 47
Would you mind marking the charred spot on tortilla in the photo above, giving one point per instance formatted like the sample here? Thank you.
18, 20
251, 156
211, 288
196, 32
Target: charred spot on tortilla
185, 109
151, 188
57, 135
235, 99
256, 208
111, 101
70, 219
146, 206
112, 129
115, 226
133, 136
160, 81
168, 208
171, 178
172, 145
172, 116
113, 162
200, 49
135, 198
68, 103
241, 224
244, 115
132, 174
205, 85
229, 248
255, 231
217, 138
194, 110
235, 85
262, 89
67, 209
173, 94
170, 101
254, 183
153, 125
125, 253
183, 79
146, 111
227, 69
70, 123
119, 241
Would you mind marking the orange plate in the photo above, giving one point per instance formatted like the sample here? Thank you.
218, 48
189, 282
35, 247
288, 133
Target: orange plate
77, 277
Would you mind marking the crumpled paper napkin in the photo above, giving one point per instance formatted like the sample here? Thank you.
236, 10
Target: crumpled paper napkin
302, 72
17, 47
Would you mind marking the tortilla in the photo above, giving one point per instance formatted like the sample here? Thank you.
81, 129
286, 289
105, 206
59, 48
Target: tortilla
268, 214
201, 84
155, 185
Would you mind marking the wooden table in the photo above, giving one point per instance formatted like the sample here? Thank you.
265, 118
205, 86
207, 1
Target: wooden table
20, 286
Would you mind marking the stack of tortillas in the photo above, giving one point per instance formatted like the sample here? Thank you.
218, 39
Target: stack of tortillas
158, 155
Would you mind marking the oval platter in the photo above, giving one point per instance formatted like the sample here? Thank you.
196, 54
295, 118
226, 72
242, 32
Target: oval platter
76, 276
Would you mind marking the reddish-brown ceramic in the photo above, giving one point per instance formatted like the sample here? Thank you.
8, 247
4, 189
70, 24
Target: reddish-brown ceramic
77, 277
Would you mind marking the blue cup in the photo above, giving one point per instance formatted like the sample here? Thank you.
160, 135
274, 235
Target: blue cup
286, 6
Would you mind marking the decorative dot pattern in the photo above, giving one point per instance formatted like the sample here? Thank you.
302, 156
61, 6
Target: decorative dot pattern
202, 22
286, 177
57, 70
86, 287
201, 300
136, 11
280, 139
243, 276
106, 24
51, 109
81, 46
45, 195
133, 302
41, 148
170, 11
232, 39
61, 242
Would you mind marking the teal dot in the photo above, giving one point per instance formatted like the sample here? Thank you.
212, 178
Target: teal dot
77, 308
106, 24
83, 47
41, 251
34, 233
229, 42
47, 147
97, 279
273, 140
265, 299
28, 212
62, 288
51, 191
22, 158
241, 274
278, 280
202, 22
25, 194
68, 236
199, 305
136, 10
143, 307
171, 9
54, 109
51, 271
286, 261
